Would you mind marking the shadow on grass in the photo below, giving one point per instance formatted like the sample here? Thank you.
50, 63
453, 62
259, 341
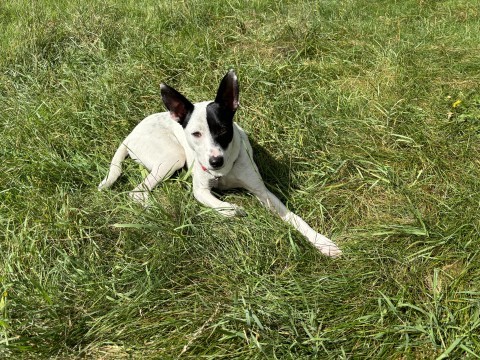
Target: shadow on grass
275, 173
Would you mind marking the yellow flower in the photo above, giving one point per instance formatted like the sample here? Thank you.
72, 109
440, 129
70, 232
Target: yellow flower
456, 103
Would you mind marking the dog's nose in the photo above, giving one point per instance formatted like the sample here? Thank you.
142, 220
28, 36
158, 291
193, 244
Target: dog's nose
216, 161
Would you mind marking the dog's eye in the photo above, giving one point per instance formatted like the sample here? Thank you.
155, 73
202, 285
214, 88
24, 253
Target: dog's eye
197, 134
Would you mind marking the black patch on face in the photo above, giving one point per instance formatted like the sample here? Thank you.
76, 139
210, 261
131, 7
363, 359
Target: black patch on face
220, 123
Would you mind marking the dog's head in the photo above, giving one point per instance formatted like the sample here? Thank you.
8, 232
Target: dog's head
208, 125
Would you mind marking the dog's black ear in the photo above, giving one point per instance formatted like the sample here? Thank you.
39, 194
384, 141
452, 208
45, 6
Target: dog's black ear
176, 103
227, 94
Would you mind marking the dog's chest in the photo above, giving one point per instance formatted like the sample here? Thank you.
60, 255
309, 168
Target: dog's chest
224, 182
215, 182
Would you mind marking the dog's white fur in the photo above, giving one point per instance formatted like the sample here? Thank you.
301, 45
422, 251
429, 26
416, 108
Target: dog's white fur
163, 146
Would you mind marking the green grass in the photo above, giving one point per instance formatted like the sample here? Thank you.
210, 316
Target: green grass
366, 121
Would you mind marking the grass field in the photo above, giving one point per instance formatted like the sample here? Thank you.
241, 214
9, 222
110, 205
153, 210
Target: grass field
366, 121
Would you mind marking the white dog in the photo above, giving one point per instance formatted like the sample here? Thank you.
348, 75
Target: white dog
205, 138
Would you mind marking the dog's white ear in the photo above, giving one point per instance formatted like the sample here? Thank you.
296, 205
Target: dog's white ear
228, 92
176, 103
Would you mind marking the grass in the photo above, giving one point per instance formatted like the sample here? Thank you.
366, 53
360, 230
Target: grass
366, 121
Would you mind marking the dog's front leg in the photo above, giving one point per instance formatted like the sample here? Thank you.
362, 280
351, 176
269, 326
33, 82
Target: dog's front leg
205, 197
321, 242
202, 190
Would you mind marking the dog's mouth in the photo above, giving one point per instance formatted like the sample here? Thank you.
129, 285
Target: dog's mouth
211, 168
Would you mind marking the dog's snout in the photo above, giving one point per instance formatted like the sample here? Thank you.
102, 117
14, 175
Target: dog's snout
216, 161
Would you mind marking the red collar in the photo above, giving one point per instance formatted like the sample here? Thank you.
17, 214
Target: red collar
207, 171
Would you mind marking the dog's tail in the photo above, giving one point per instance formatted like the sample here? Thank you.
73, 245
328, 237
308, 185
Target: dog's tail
115, 167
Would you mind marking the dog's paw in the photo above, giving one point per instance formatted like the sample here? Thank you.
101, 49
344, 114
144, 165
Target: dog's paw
232, 210
330, 250
326, 246
140, 197
101, 186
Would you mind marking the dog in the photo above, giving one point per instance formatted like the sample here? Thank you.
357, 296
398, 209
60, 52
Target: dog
204, 137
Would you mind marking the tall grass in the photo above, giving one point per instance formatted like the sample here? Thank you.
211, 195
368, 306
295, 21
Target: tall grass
366, 121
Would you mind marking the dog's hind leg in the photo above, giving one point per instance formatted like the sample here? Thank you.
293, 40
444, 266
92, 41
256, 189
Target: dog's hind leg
115, 167
157, 174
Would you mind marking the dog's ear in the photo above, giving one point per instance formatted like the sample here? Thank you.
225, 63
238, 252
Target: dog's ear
176, 103
227, 94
